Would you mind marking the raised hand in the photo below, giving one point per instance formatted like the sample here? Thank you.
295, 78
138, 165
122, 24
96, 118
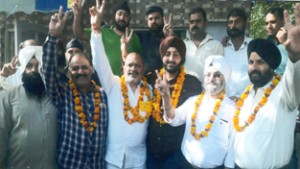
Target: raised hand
168, 30
96, 13
161, 84
57, 22
125, 40
77, 8
9, 68
290, 35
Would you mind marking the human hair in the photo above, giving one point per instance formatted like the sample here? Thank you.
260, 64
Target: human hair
81, 54
278, 11
198, 10
153, 9
237, 12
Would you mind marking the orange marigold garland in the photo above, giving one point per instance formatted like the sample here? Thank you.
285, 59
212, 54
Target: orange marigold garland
212, 118
135, 111
79, 109
261, 103
156, 113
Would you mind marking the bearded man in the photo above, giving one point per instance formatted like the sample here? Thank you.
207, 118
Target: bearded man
199, 43
111, 35
151, 39
28, 119
163, 140
235, 53
208, 137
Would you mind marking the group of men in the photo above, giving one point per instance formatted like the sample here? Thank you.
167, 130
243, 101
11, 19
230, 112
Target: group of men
152, 100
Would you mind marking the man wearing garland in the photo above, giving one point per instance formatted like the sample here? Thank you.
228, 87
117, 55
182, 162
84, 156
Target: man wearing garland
265, 115
208, 136
163, 140
129, 102
82, 104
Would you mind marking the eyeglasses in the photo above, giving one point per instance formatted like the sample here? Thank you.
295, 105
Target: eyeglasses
214, 75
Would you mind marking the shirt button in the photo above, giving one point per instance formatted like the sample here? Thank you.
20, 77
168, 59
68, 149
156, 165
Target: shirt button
158, 138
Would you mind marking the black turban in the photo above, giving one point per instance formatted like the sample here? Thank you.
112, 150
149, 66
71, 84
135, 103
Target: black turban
124, 6
172, 41
153, 9
74, 43
267, 50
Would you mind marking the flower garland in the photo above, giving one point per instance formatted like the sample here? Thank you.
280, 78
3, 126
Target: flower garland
135, 111
156, 113
261, 103
212, 118
79, 109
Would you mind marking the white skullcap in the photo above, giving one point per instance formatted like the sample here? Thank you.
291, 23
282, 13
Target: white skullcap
220, 63
27, 53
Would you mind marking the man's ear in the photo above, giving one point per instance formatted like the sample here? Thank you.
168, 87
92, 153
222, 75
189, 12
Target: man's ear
68, 74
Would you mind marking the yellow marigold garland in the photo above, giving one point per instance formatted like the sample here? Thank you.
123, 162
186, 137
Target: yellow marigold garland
135, 111
79, 109
261, 103
212, 118
156, 113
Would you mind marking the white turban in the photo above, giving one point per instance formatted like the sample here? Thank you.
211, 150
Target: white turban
220, 63
25, 55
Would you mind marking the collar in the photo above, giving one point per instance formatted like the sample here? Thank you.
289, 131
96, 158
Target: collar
245, 43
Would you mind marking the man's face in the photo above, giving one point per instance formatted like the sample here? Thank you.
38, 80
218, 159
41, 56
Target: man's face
155, 22
214, 81
171, 60
273, 24
133, 69
235, 26
197, 24
70, 52
122, 20
32, 66
32, 80
80, 71
259, 71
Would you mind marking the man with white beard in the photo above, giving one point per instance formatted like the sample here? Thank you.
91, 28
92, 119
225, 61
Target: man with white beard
208, 136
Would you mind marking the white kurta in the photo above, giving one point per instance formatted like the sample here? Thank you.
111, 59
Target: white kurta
217, 148
238, 61
126, 143
195, 56
268, 141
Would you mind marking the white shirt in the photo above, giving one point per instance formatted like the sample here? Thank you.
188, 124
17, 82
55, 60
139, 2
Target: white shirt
126, 143
268, 142
195, 56
217, 148
238, 61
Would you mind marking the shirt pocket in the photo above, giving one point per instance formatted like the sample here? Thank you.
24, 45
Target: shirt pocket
221, 128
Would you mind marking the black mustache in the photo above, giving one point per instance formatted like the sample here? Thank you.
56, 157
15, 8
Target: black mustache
195, 28
234, 29
171, 63
255, 71
78, 76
